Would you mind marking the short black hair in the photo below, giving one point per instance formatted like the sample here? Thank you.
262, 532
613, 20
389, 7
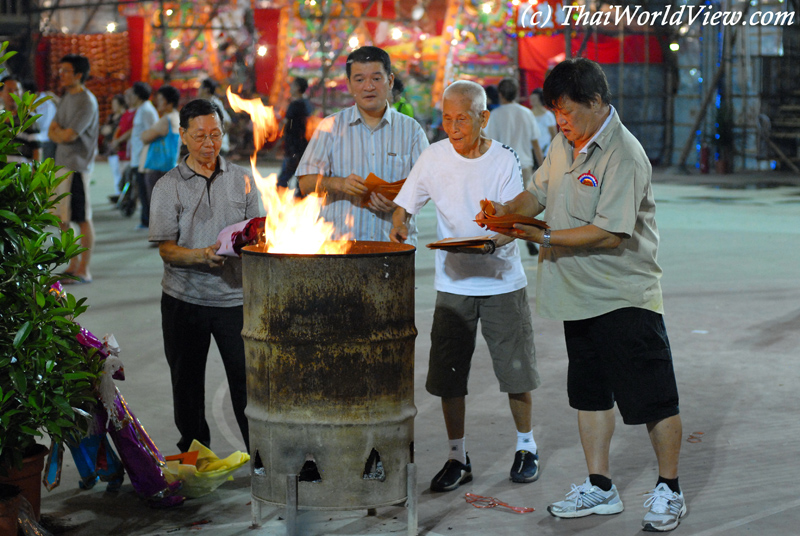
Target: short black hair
508, 89
142, 90
210, 85
80, 64
9, 77
170, 94
198, 108
579, 79
302, 84
369, 54
398, 86
492, 95
120, 98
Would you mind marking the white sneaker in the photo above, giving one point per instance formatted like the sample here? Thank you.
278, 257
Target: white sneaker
587, 499
666, 509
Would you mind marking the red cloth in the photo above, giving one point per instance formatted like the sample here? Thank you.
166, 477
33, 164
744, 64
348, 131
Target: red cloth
125, 124
539, 53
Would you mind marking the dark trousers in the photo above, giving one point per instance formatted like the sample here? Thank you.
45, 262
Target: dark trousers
144, 197
187, 336
290, 163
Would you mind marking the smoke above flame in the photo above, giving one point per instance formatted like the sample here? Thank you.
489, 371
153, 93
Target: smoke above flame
292, 225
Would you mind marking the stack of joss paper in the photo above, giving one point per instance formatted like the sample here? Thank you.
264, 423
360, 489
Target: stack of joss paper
477, 243
387, 189
503, 224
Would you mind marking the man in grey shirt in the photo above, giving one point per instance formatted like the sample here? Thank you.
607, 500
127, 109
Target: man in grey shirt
202, 291
75, 129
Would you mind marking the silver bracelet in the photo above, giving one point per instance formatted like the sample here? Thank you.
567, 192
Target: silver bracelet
546, 239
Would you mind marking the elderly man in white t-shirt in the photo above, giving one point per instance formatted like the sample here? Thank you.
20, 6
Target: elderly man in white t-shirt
457, 173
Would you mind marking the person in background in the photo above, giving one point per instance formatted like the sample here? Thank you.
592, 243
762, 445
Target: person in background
75, 129
399, 102
456, 174
598, 273
492, 97
46, 112
145, 117
165, 131
545, 119
28, 149
294, 130
208, 90
369, 137
120, 143
515, 126
202, 291
107, 131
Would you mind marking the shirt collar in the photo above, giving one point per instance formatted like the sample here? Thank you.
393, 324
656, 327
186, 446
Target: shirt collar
355, 117
596, 138
188, 173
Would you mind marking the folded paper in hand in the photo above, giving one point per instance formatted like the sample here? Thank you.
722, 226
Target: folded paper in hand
506, 222
387, 189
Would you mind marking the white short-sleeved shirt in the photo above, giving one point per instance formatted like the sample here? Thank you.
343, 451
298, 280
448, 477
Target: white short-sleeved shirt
457, 185
514, 125
144, 118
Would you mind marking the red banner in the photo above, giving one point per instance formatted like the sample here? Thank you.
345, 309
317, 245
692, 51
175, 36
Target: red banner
267, 23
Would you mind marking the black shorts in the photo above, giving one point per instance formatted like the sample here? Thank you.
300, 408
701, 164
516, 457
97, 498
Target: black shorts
77, 199
623, 357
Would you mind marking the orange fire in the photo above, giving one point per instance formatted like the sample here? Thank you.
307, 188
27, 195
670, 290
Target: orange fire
292, 225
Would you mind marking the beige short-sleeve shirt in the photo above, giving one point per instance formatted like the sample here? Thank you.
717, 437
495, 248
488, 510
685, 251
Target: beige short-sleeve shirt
609, 186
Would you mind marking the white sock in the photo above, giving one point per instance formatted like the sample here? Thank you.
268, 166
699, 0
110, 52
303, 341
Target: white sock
526, 442
458, 450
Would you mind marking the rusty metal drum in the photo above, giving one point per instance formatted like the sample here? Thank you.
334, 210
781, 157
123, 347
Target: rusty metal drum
329, 341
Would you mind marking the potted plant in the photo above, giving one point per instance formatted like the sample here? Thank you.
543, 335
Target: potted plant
45, 373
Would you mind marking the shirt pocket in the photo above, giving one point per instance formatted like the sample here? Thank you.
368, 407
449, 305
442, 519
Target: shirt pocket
581, 199
398, 167
238, 208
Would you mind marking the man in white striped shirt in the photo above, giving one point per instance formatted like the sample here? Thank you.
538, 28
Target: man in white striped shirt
369, 137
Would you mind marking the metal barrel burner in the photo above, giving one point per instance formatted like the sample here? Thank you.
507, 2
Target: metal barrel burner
329, 341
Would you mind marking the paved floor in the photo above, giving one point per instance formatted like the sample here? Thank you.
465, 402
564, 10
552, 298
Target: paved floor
731, 258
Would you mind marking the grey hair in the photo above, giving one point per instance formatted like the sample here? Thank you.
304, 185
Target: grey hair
473, 91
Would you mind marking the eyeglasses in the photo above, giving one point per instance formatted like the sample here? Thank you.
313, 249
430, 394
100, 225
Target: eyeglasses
216, 137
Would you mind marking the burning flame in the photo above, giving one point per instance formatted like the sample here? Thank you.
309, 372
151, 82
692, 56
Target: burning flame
292, 225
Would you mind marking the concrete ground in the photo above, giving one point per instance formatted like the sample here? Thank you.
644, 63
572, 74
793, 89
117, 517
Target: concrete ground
730, 250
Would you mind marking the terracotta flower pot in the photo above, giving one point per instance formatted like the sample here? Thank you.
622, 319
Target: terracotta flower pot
29, 478
10, 499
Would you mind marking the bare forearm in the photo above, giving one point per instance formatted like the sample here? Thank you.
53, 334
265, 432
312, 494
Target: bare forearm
58, 134
174, 254
525, 204
317, 183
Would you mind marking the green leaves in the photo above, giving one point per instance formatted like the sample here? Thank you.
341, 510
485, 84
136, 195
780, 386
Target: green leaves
45, 374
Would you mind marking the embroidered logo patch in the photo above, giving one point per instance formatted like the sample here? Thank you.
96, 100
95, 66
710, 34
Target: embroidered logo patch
587, 179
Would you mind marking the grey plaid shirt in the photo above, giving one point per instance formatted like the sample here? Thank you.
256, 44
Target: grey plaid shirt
192, 210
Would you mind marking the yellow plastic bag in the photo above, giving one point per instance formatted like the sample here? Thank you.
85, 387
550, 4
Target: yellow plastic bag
207, 473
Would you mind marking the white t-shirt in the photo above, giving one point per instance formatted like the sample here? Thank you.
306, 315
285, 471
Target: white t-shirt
514, 125
457, 185
545, 121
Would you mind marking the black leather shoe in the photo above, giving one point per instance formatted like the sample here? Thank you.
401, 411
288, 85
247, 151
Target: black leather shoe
526, 467
453, 474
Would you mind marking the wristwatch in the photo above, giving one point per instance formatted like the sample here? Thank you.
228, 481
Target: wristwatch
546, 239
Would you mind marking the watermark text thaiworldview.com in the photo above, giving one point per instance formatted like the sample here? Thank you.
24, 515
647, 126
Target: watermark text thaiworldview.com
543, 16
